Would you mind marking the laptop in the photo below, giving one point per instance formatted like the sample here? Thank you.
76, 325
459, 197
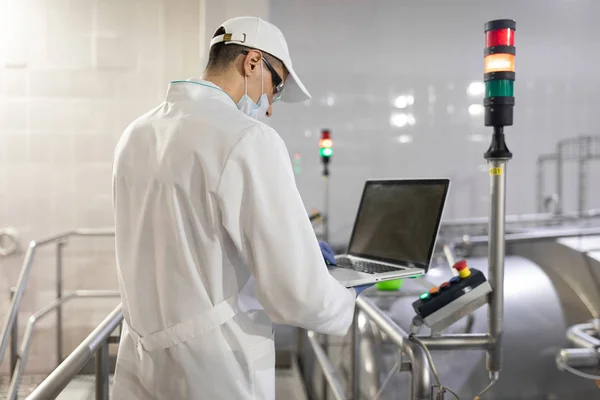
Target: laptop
395, 231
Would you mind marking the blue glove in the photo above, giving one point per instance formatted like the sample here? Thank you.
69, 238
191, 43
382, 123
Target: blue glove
328, 253
361, 288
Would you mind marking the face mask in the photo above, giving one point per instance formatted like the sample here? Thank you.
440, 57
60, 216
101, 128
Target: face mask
248, 106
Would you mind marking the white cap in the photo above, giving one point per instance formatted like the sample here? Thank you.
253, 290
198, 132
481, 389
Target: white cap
259, 34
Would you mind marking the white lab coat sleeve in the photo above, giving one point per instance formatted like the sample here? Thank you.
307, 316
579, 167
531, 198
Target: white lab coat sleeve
263, 213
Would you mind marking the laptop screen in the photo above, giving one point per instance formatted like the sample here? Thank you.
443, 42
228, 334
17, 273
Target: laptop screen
398, 221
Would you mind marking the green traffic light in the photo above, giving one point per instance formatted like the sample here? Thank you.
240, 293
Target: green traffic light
326, 151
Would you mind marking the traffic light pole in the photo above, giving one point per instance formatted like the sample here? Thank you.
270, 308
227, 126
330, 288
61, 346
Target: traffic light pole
326, 205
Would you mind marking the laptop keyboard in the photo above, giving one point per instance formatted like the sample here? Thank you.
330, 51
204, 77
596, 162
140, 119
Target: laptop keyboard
364, 266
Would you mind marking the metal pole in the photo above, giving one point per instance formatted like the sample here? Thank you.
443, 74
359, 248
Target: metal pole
421, 374
102, 372
59, 295
325, 388
326, 208
14, 340
58, 379
496, 252
540, 185
328, 370
355, 375
471, 341
559, 176
582, 164
326, 239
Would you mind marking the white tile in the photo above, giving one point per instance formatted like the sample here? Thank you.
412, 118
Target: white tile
114, 18
117, 53
50, 83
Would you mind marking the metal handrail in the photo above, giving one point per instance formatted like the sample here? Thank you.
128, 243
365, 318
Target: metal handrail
421, 385
524, 218
17, 297
97, 341
24, 353
534, 236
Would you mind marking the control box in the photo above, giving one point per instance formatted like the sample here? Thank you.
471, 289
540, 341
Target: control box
452, 300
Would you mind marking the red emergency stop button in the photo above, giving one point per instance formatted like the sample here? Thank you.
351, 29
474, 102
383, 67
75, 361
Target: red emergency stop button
463, 270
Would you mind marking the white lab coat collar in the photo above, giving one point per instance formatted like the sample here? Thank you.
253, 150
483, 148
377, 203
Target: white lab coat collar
196, 89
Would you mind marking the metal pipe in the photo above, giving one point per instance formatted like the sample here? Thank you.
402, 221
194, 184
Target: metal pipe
496, 252
59, 290
578, 336
102, 372
11, 316
20, 287
105, 232
539, 185
584, 147
324, 388
537, 236
14, 341
24, 277
449, 253
559, 176
355, 384
24, 352
326, 366
471, 341
58, 379
420, 369
579, 358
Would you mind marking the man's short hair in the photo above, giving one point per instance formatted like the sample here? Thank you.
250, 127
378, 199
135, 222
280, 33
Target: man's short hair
222, 55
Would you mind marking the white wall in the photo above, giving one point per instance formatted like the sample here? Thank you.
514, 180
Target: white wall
363, 54
73, 74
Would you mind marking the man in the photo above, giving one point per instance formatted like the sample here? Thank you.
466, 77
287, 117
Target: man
213, 242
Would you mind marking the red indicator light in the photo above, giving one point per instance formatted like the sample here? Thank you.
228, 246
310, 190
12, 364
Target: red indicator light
500, 37
444, 285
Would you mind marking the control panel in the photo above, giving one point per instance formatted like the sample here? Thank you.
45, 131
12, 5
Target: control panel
445, 304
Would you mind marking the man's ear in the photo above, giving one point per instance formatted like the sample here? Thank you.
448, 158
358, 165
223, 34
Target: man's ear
251, 61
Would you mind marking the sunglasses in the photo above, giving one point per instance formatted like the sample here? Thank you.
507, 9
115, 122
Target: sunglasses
278, 83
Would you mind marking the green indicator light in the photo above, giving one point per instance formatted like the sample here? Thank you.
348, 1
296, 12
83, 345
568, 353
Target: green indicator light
326, 151
424, 296
499, 88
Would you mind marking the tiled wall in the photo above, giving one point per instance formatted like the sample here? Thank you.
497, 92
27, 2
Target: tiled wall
357, 57
73, 74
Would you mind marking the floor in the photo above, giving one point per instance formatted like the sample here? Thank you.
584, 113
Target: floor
288, 386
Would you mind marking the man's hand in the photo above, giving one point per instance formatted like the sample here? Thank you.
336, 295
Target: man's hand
328, 253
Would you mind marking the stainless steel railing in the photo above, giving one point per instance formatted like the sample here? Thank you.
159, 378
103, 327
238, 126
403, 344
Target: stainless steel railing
9, 328
96, 343
421, 383
23, 354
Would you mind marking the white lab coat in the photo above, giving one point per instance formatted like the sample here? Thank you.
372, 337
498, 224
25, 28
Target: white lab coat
213, 245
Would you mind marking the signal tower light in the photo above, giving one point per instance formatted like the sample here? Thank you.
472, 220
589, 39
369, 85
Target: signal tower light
325, 145
499, 72
325, 150
499, 78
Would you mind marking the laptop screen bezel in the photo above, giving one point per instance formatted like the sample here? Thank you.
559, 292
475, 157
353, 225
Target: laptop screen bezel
425, 266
